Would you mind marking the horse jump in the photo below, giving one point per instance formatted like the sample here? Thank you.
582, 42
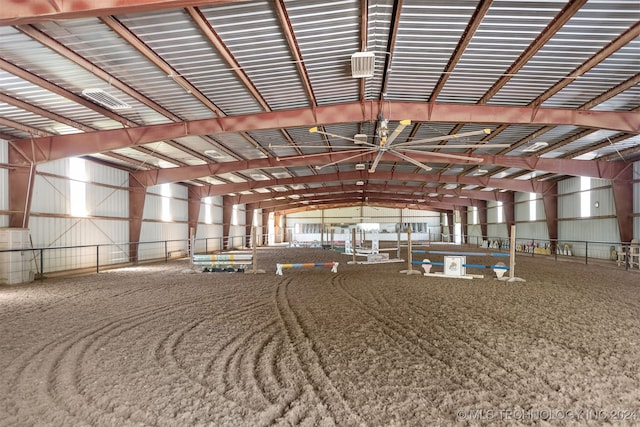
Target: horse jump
455, 263
333, 265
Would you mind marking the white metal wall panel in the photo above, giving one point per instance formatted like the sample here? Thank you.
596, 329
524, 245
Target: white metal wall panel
532, 230
575, 230
568, 198
495, 229
4, 183
50, 195
525, 227
178, 204
49, 232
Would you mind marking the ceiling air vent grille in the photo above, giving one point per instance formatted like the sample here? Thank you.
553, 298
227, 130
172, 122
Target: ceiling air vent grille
103, 98
362, 64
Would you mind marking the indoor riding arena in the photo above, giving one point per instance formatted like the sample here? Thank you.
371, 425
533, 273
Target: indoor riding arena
371, 213
165, 344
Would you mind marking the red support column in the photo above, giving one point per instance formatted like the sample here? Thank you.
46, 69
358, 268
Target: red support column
227, 214
622, 187
550, 202
137, 194
21, 180
482, 218
194, 202
509, 210
248, 222
450, 224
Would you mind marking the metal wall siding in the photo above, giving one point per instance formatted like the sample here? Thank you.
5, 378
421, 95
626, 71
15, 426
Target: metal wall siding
497, 231
50, 195
586, 229
592, 230
532, 231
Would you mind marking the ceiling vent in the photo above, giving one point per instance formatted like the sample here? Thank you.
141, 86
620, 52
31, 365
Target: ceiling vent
214, 154
105, 99
360, 138
535, 147
362, 64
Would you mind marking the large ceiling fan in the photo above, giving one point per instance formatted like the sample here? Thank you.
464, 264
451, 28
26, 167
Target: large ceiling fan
402, 150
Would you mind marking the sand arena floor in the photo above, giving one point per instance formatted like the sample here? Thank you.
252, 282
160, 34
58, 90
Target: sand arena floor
155, 346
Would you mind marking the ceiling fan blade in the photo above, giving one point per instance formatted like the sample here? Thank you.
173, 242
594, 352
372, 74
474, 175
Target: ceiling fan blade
445, 155
374, 165
316, 130
410, 160
445, 137
396, 132
459, 146
360, 154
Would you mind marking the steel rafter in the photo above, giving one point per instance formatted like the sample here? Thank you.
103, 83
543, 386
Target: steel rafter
419, 192
60, 146
526, 186
590, 168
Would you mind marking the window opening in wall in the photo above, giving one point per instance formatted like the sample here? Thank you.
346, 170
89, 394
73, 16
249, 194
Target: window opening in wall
234, 215
499, 214
474, 215
208, 218
585, 197
532, 206
165, 192
78, 186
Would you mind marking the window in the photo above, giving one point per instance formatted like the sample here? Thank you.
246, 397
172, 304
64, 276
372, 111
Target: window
234, 215
165, 191
78, 186
585, 197
499, 213
532, 206
208, 219
474, 215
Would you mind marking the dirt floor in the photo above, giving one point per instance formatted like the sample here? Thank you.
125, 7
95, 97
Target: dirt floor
162, 345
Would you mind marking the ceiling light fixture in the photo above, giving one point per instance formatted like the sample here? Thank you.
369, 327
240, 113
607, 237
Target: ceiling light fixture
360, 138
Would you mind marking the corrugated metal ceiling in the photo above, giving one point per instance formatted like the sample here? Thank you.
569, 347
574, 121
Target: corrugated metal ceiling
269, 66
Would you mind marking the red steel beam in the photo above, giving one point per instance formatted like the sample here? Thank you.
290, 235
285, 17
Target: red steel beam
60, 146
446, 203
526, 186
587, 168
422, 192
